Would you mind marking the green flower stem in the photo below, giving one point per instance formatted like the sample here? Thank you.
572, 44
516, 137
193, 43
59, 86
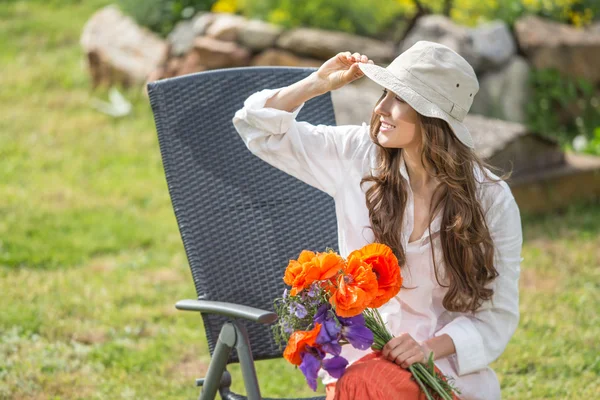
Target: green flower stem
429, 380
421, 384
426, 379
433, 381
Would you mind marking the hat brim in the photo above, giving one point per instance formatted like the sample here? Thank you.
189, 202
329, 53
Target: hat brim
385, 78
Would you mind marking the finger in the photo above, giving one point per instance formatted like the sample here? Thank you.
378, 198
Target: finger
345, 56
389, 346
356, 71
406, 350
401, 356
397, 341
364, 58
400, 353
411, 360
356, 56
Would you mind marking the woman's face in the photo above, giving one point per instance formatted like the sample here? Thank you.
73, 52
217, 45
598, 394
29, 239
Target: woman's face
404, 129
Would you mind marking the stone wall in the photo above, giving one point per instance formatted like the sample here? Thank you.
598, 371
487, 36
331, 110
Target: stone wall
119, 51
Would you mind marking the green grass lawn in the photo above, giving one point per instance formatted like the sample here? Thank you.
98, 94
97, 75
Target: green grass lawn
91, 261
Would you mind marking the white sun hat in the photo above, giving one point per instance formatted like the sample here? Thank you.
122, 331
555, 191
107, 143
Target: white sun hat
434, 80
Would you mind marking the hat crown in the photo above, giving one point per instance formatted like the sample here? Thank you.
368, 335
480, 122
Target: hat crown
441, 69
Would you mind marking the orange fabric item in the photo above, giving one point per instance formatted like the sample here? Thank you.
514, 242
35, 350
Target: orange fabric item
373, 378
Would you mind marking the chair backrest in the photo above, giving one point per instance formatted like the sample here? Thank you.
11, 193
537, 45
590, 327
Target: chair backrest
241, 220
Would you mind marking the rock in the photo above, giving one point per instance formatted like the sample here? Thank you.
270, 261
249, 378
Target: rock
173, 67
324, 44
225, 27
182, 37
504, 94
215, 53
201, 22
440, 29
548, 44
258, 35
192, 63
120, 51
158, 73
494, 44
491, 135
354, 103
276, 57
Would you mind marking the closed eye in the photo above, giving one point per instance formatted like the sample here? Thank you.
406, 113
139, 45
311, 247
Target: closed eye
397, 98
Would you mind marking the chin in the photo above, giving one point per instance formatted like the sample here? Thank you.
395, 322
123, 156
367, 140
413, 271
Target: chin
383, 140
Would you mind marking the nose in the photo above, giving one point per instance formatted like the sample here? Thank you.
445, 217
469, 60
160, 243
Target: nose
382, 107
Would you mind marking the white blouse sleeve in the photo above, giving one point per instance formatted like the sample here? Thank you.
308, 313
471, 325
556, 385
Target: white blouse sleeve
318, 155
481, 337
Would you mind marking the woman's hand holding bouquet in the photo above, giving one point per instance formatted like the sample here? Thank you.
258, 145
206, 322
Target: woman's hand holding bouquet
333, 302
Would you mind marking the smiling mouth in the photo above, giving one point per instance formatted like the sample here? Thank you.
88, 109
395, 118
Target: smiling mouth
385, 125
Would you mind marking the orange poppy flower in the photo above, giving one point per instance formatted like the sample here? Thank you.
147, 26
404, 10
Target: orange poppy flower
385, 265
297, 343
356, 288
329, 264
311, 267
301, 271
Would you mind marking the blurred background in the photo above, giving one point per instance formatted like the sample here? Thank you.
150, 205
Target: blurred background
91, 261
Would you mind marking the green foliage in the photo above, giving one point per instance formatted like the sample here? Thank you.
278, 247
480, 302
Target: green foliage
575, 12
561, 106
161, 15
376, 18
363, 17
582, 144
471, 12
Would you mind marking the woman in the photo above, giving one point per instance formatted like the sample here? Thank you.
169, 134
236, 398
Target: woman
410, 180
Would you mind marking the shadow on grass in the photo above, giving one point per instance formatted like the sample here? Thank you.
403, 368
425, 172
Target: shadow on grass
578, 221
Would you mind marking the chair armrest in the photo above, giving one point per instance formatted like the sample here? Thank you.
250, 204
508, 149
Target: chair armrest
228, 309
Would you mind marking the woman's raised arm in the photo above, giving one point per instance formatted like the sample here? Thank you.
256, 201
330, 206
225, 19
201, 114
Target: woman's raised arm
333, 74
320, 155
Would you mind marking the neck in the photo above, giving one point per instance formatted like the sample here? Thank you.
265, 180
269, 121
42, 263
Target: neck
420, 179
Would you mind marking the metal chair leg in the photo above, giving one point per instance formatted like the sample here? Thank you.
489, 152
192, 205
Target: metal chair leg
246, 362
218, 363
232, 334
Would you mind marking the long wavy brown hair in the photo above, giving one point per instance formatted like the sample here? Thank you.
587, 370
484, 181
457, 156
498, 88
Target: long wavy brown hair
466, 242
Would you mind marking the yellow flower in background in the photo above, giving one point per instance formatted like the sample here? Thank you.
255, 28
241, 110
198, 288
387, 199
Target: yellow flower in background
225, 6
279, 16
581, 19
531, 4
407, 6
473, 12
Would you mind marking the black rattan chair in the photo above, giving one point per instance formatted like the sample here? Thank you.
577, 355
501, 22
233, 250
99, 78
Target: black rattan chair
241, 220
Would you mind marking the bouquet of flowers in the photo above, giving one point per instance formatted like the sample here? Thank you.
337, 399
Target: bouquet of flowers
333, 302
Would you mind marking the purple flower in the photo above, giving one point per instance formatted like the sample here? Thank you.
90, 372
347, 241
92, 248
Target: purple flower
313, 360
298, 310
356, 333
285, 293
356, 320
328, 337
286, 327
323, 314
312, 292
310, 367
335, 366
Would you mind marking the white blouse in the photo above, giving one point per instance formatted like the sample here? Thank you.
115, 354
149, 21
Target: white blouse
334, 159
